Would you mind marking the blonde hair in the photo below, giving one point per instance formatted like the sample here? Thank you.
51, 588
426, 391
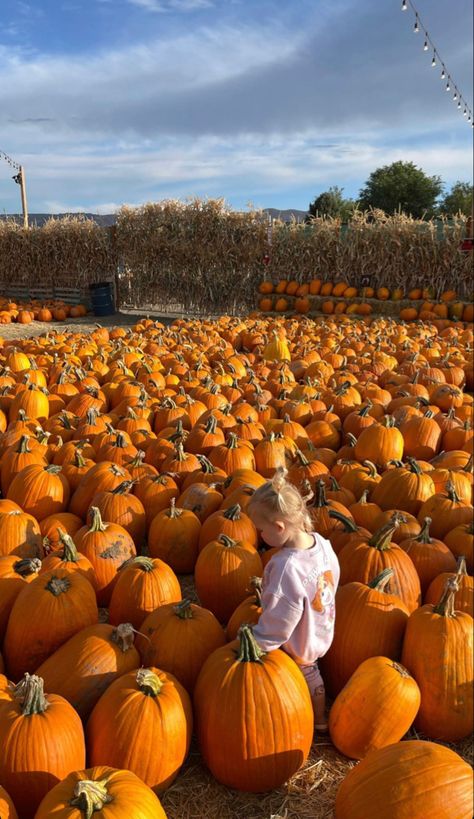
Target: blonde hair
279, 498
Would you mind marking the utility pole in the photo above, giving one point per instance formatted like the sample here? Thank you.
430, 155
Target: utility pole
24, 203
20, 179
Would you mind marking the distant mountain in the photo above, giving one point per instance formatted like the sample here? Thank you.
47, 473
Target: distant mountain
108, 219
40, 218
287, 215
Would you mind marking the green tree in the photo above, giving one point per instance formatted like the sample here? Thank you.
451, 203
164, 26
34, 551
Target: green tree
332, 203
401, 186
458, 200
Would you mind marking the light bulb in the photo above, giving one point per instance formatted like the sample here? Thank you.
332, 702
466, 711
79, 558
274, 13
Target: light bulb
465, 112
448, 87
455, 95
443, 74
416, 27
433, 61
425, 46
459, 104
404, 5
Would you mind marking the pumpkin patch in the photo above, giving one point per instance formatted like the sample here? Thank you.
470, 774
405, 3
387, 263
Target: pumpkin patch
130, 568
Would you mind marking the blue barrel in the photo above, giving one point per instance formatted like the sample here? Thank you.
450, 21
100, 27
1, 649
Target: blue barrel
102, 298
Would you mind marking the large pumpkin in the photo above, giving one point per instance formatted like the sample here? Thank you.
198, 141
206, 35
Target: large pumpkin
46, 613
407, 780
173, 537
40, 490
14, 573
107, 546
42, 739
106, 792
438, 651
223, 572
144, 709
375, 708
170, 627
98, 654
370, 622
254, 749
143, 585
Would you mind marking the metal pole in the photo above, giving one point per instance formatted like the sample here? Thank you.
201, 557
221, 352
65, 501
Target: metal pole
24, 203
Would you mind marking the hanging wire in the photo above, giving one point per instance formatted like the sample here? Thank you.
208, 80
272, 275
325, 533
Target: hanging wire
427, 44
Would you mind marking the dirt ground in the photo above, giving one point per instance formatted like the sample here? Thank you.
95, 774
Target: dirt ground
85, 324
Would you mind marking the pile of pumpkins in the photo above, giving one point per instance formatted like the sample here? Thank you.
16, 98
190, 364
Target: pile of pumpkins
342, 298
23, 312
127, 460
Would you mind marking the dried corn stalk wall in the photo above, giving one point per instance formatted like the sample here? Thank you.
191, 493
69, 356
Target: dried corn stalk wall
392, 251
70, 252
203, 257
199, 255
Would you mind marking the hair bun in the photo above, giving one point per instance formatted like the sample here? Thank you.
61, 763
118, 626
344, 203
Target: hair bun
279, 479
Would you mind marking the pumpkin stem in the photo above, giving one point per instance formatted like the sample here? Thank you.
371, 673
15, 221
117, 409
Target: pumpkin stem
30, 692
30, 565
58, 585
69, 554
227, 541
371, 467
90, 796
424, 536
123, 636
382, 538
149, 682
173, 511
206, 466
249, 651
349, 525
363, 498
96, 520
256, 585
445, 606
351, 439
380, 582
461, 569
23, 445
123, 488
233, 512
451, 492
401, 669
414, 466
320, 499
144, 563
183, 609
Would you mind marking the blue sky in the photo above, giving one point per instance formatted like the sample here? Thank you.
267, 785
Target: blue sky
107, 102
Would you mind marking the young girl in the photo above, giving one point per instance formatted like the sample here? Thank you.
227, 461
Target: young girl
299, 584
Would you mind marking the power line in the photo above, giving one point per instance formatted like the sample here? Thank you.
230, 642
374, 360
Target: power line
428, 45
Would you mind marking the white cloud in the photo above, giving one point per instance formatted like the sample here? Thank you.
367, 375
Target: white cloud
161, 6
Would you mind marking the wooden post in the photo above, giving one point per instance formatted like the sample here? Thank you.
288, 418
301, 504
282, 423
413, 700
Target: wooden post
24, 203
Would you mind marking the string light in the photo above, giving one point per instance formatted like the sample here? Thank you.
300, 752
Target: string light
429, 44
9, 160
